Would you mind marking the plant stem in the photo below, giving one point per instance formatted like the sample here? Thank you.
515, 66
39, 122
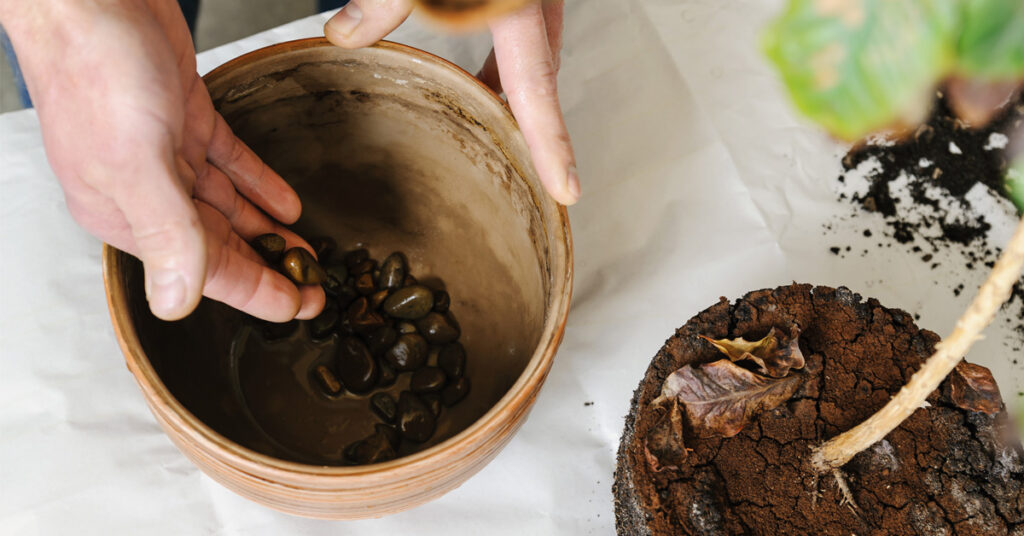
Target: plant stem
948, 353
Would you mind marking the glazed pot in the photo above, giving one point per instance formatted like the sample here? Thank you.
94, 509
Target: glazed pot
396, 149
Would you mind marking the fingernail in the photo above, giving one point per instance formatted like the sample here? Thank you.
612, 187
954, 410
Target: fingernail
574, 183
165, 290
347, 19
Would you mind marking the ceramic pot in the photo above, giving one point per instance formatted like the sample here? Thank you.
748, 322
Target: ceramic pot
399, 150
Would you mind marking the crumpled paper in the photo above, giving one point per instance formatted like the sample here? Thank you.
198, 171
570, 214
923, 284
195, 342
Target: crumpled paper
699, 181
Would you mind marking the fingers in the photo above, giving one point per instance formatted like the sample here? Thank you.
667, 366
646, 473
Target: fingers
241, 281
529, 76
553, 13
216, 189
166, 232
362, 23
251, 177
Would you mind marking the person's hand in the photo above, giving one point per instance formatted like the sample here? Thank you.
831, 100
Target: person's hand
146, 163
524, 62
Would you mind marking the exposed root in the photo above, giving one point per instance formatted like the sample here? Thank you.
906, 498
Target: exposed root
845, 490
991, 296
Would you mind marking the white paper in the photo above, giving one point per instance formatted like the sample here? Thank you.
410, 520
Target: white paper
699, 181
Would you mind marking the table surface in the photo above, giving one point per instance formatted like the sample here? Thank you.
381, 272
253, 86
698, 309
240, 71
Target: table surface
699, 181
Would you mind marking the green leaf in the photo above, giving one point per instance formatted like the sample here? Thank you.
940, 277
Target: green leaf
991, 43
1015, 183
855, 66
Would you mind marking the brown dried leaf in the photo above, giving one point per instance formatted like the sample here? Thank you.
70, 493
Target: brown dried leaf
720, 398
663, 446
973, 388
774, 355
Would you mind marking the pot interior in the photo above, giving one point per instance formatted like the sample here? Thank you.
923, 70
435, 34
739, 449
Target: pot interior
391, 150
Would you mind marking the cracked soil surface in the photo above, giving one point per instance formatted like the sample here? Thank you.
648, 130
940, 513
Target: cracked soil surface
944, 471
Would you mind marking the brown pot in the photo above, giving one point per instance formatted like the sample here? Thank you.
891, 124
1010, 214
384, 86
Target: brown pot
404, 151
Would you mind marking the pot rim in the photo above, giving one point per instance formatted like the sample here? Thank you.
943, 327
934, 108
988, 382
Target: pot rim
235, 455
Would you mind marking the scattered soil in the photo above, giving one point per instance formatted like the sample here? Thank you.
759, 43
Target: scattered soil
938, 189
945, 470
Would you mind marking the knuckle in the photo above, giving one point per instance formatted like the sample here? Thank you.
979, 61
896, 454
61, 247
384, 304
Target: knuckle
167, 238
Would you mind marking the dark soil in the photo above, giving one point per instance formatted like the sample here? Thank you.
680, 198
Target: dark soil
939, 214
945, 470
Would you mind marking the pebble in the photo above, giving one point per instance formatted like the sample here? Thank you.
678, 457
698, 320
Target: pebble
456, 391
384, 406
270, 246
392, 272
354, 257
409, 353
374, 449
356, 367
361, 319
438, 328
325, 323
381, 339
427, 380
452, 360
323, 246
377, 298
300, 266
336, 276
442, 301
328, 381
388, 375
364, 284
432, 401
415, 420
409, 303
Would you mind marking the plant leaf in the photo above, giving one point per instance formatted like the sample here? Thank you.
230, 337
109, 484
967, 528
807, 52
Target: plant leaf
991, 40
855, 66
1015, 183
663, 446
973, 388
774, 355
720, 398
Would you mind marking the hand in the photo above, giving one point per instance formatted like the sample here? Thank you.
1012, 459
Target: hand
524, 61
146, 163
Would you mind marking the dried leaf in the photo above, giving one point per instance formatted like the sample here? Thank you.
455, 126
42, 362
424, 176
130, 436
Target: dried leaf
774, 355
973, 388
663, 446
720, 398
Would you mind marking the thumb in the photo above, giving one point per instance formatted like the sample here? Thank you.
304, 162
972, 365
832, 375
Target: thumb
168, 236
362, 23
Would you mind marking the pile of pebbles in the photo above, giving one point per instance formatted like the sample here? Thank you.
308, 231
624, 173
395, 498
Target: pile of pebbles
387, 324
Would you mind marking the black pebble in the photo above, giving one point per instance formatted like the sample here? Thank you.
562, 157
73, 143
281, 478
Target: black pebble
324, 324
409, 353
356, 367
452, 360
456, 391
415, 421
427, 380
384, 406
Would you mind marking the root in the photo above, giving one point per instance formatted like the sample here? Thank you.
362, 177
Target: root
845, 490
948, 353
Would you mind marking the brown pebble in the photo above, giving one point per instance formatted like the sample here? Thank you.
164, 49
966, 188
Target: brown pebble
300, 266
364, 284
328, 381
270, 246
